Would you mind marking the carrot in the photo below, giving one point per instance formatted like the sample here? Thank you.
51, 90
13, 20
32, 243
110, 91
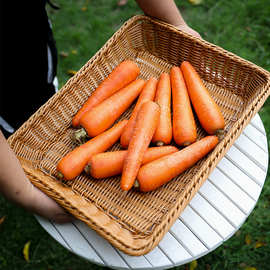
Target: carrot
184, 126
148, 93
163, 134
145, 126
122, 75
72, 164
208, 112
109, 164
162, 170
101, 117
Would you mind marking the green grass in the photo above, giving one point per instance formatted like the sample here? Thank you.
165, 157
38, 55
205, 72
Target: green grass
241, 27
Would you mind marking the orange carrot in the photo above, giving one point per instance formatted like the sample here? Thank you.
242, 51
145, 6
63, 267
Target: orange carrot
160, 171
148, 93
184, 126
123, 74
101, 117
72, 164
163, 134
145, 126
109, 164
208, 112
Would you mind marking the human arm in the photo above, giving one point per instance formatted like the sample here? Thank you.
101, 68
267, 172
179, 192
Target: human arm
16, 187
167, 11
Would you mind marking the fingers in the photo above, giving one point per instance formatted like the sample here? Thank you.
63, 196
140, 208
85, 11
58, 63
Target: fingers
62, 218
189, 30
46, 207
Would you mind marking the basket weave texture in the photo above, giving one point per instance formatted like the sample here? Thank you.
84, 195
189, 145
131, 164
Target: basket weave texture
135, 222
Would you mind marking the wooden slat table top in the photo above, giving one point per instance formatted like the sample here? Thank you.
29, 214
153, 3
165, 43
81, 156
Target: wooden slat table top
215, 213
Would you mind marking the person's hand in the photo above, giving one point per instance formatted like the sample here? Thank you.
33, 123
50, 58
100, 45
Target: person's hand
185, 28
168, 12
16, 187
39, 203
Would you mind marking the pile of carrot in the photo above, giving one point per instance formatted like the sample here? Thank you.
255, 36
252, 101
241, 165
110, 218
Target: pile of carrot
164, 112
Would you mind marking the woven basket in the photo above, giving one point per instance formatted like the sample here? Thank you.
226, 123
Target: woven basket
132, 221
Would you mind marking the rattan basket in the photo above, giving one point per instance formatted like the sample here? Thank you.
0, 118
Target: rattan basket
132, 221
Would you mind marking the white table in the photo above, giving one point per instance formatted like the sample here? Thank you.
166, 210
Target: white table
215, 213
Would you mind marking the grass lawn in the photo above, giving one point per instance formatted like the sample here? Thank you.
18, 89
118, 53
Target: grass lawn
81, 27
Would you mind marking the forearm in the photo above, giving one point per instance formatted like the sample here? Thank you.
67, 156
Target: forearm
14, 184
165, 10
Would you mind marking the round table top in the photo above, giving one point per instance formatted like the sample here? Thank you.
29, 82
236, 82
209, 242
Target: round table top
215, 213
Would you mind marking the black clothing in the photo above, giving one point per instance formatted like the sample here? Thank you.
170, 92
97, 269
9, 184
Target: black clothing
25, 38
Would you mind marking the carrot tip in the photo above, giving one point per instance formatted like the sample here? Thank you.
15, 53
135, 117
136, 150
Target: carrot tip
125, 188
80, 136
160, 143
